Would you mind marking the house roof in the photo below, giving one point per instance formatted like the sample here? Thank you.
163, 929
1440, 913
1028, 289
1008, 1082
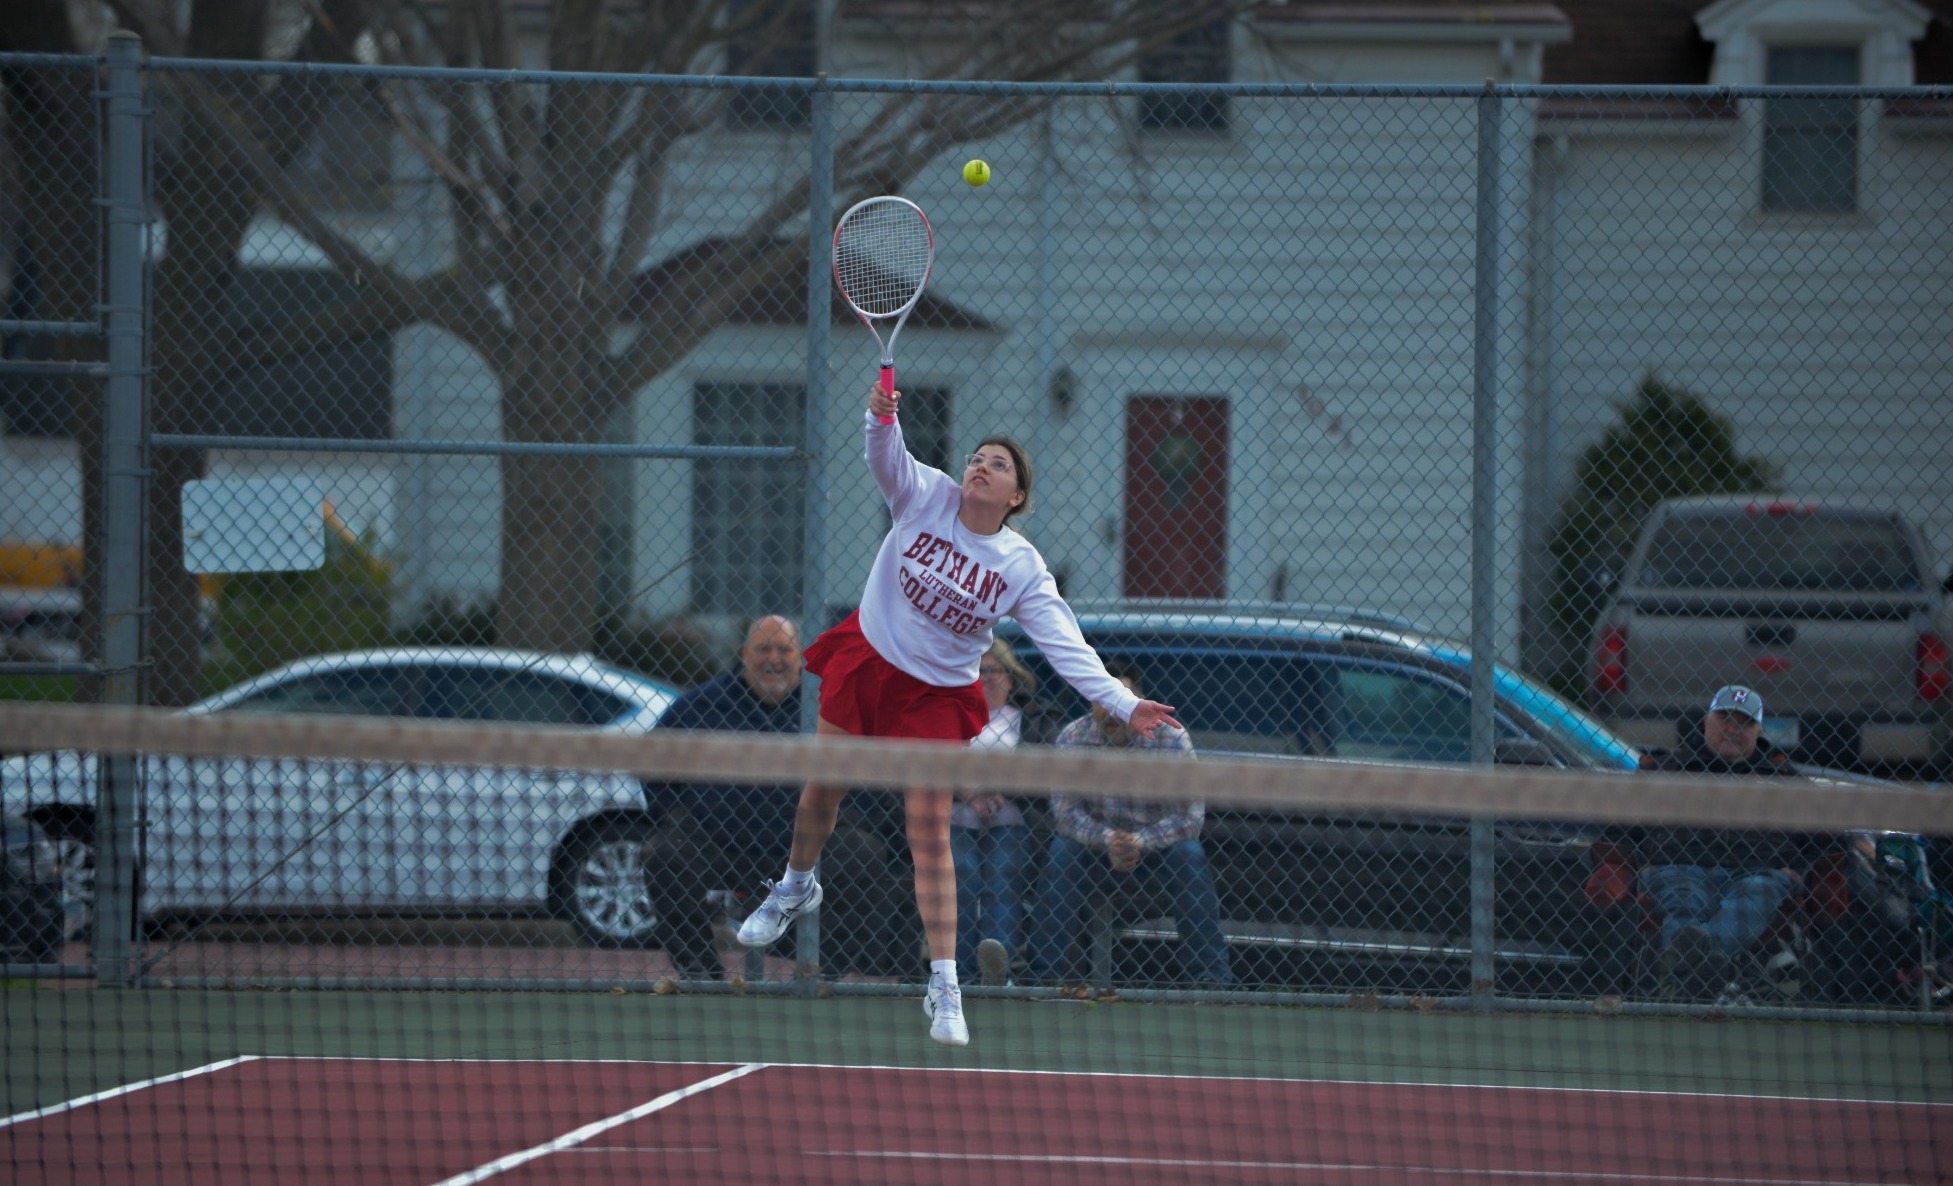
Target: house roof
1500, 15
784, 303
1656, 42
1613, 42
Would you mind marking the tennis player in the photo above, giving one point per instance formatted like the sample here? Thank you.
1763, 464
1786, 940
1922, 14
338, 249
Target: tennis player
905, 665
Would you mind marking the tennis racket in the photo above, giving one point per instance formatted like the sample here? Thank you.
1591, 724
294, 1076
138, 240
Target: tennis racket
883, 249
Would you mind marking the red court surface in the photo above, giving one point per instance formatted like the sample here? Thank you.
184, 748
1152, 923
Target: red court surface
300, 1122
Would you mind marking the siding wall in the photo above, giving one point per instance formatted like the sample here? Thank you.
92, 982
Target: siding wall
1829, 340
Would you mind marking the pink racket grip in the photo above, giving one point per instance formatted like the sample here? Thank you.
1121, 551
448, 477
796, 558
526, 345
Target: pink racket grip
888, 388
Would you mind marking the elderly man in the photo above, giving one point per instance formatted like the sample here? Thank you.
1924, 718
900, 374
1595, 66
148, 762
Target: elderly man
1106, 843
726, 836
1717, 889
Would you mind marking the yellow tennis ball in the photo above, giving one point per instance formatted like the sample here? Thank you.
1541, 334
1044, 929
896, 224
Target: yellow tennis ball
977, 172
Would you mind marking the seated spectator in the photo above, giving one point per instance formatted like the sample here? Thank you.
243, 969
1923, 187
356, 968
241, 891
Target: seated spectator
1099, 842
719, 836
1718, 890
989, 843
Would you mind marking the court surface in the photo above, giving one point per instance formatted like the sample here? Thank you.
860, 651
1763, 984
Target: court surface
156, 1086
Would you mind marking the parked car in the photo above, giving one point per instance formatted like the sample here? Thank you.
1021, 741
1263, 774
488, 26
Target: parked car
1310, 898
31, 930
294, 835
40, 624
1831, 612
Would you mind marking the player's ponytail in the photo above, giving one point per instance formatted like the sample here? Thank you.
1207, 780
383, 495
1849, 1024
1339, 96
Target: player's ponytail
1021, 462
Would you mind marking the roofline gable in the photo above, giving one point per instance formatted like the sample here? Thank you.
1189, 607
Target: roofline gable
1542, 24
1743, 31
1726, 18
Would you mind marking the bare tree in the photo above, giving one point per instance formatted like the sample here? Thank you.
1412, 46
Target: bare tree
543, 268
542, 272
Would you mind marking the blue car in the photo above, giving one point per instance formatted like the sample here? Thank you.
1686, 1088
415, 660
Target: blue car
1380, 900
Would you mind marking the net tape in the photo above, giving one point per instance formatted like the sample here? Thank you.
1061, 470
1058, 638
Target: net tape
749, 758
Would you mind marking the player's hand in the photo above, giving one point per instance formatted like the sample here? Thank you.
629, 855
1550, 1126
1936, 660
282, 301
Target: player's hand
1123, 851
882, 403
1148, 718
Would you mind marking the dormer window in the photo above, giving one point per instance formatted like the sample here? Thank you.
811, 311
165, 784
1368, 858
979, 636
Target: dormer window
1201, 54
1810, 145
781, 46
1810, 149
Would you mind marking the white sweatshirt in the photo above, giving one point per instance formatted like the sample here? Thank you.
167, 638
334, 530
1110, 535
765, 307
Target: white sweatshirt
937, 586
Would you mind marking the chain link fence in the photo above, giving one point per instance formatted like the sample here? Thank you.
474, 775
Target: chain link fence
1412, 424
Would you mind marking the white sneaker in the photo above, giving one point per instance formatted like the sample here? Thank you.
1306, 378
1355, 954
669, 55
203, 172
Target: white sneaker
993, 963
764, 926
944, 1005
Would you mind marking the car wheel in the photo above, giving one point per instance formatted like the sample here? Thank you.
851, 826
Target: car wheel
603, 884
73, 838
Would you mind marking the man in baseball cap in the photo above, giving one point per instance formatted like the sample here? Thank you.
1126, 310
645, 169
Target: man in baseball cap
1732, 729
1718, 889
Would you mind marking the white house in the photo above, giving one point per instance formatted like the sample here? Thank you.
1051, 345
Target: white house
1238, 333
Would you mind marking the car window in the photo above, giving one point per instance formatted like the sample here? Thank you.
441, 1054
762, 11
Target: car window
1229, 701
1402, 716
1316, 705
1575, 729
1817, 550
365, 691
529, 697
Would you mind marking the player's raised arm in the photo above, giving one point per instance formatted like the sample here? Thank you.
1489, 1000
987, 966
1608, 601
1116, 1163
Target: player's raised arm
900, 476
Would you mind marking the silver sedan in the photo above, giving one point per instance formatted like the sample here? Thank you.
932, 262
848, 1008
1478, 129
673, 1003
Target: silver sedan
254, 835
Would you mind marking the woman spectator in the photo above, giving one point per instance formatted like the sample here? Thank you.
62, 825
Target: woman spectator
989, 843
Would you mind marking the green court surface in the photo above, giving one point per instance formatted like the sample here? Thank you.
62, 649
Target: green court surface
63, 1044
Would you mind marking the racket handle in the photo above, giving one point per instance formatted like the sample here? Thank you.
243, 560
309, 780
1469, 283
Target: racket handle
888, 388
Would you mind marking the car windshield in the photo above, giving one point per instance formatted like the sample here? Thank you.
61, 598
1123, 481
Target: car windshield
1568, 724
1781, 548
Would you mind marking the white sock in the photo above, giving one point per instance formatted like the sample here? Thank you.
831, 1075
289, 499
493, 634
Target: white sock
943, 971
797, 882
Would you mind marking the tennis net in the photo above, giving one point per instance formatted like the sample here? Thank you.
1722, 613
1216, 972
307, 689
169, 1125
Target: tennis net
348, 949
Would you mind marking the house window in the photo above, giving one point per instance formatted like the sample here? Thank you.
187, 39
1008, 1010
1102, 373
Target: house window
747, 516
349, 163
779, 45
343, 391
925, 428
1810, 145
1199, 55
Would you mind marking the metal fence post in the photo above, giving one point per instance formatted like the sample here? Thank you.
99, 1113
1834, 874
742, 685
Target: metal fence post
1485, 441
820, 326
117, 961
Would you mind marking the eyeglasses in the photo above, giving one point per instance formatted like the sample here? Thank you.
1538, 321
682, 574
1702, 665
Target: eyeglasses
998, 465
991, 672
1730, 716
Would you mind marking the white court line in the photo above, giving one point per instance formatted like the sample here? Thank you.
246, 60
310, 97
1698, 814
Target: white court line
1546, 1089
111, 1093
580, 1135
1564, 1175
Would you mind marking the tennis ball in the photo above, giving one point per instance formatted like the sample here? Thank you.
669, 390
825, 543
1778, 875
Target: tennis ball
977, 172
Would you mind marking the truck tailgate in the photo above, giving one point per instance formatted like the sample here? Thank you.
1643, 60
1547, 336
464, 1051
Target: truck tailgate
1809, 656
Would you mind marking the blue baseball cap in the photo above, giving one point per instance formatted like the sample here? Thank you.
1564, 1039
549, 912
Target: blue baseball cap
1737, 698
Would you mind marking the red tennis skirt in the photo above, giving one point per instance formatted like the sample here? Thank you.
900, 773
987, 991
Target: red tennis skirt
871, 697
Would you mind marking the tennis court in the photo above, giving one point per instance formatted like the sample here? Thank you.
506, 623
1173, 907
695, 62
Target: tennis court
454, 1088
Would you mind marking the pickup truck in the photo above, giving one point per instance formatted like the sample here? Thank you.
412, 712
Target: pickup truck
1831, 612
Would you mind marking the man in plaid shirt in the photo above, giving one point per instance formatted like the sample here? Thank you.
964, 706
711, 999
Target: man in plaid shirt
1104, 845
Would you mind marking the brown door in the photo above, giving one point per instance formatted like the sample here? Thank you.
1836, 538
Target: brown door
1176, 497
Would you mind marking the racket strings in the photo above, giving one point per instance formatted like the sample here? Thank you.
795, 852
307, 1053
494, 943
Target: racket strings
881, 257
